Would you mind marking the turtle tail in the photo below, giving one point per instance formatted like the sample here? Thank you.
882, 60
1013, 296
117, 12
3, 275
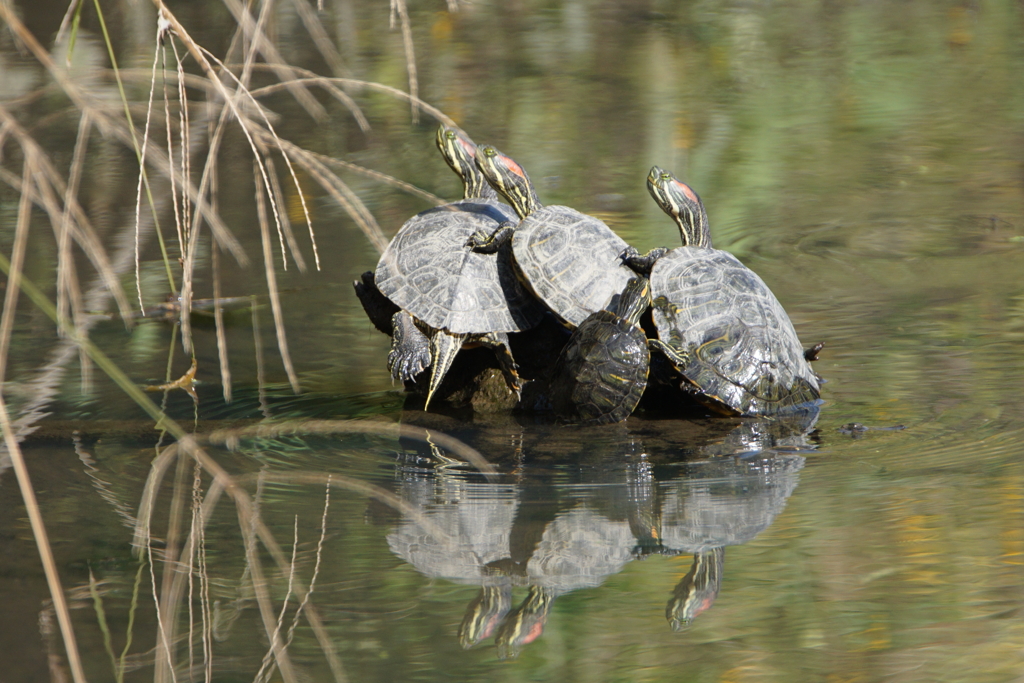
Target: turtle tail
444, 346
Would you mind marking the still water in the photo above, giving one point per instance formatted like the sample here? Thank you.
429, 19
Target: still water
863, 158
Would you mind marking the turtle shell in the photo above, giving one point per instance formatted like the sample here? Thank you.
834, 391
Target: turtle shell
745, 357
602, 371
570, 260
428, 270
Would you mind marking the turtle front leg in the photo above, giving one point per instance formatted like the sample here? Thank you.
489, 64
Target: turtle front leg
811, 354
444, 346
642, 265
410, 348
498, 342
678, 357
484, 243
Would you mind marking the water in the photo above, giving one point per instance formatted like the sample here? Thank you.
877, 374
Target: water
863, 159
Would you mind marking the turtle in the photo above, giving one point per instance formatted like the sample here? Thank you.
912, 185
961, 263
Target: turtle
449, 295
717, 322
602, 371
569, 260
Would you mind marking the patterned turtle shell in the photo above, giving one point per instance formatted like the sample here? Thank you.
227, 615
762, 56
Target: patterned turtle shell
719, 323
428, 271
570, 260
602, 371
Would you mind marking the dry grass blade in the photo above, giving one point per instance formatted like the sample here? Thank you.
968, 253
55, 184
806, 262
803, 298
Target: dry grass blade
272, 56
28, 495
68, 290
381, 177
316, 565
181, 211
202, 54
268, 267
320, 38
43, 194
357, 84
66, 22
144, 181
231, 437
339, 190
399, 8
257, 343
285, 226
265, 669
43, 544
218, 320
116, 127
29, 170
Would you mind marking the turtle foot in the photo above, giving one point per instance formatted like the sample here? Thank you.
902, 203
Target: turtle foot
410, 348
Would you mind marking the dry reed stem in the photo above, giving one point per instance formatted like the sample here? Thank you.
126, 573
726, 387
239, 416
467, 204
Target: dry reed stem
184, 126
381, 177
285, 226
358, 84
257, 342
218, 321
231, 437
204, 577
17, 261
244, 124
206, 181
323, 43
44, 385
42, 193
316, 564
170, 556
268, 267
143, 180
259, 584
14, 450
179, 210
399, 8
114, 126
270, 53
248, 516
265, 670
340, 191
68, 286
251, 517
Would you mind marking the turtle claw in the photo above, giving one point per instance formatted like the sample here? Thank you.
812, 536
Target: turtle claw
404, 366
483, 242
410, 348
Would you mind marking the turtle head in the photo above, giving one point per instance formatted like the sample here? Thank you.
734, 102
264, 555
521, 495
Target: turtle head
633, 300
697, 590
679, 201
508, 178
458, 150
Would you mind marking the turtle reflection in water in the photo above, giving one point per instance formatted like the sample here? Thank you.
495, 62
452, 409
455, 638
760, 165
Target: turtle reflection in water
698, 589
529, 533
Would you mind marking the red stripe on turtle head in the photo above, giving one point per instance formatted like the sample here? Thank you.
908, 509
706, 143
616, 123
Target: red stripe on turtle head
513, 166
467, 145
690, 194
